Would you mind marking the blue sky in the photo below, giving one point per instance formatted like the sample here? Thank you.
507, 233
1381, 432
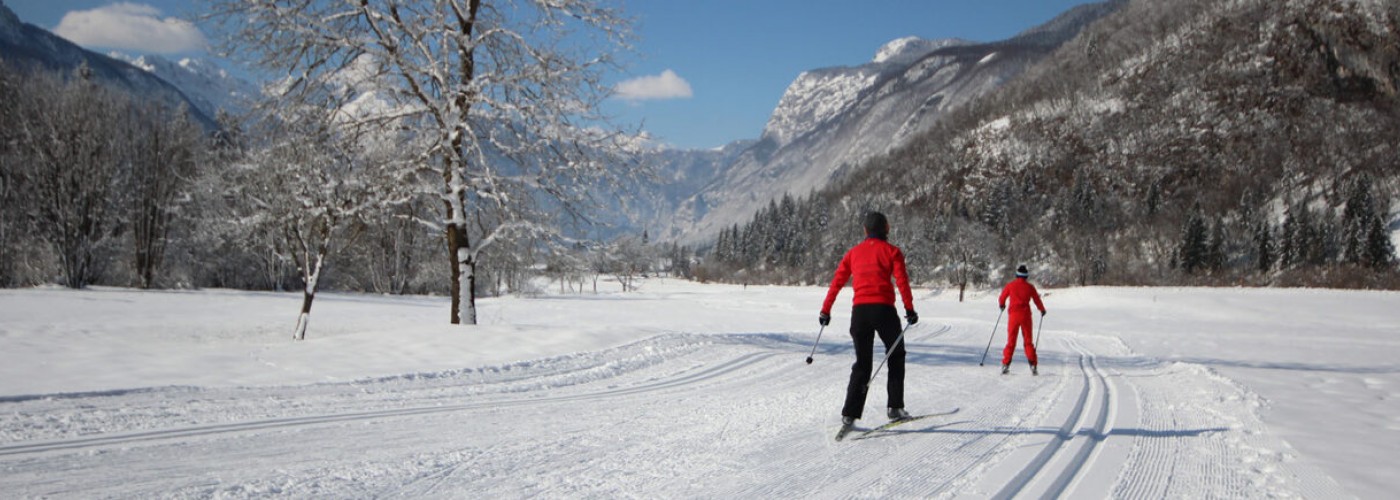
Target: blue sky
729, 61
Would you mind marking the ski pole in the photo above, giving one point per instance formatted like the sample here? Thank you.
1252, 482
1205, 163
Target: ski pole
1039, 328
989, 339
893, 346
814, 344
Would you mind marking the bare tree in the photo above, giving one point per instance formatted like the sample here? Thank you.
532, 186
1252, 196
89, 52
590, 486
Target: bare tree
392, 249
505, 94
309, 192
9, 175
630, 257
71, 162
968, 255
165, 149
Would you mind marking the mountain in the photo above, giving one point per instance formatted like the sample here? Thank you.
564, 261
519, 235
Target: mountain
652, 202
210, 87
832, 119
1174, 142
29, 47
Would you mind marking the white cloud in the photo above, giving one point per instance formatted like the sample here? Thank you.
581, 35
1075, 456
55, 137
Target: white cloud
130, 26
666, 85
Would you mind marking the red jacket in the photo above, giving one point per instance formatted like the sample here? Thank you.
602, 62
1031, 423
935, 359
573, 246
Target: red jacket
873, 262
1021, 292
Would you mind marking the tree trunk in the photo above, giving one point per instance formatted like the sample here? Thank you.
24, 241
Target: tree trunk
304, 318
463, 276
469, 315
312, 278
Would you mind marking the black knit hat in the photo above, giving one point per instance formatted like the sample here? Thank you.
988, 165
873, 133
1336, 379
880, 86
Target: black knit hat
1021, 271
876, 225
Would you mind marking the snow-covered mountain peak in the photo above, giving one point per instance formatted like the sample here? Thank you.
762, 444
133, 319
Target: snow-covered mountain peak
909, 49
208, 85
202, 66
892, 49
818, 96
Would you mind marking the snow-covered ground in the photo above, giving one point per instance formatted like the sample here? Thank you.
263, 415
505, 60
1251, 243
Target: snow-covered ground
686, 390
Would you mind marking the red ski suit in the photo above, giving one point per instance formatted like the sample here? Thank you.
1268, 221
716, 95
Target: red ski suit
871, 263
1021, 293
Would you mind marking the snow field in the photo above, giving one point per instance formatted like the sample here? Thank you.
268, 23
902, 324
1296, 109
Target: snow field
597, 396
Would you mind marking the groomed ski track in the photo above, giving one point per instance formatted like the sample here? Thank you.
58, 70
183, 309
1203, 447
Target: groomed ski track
676, 416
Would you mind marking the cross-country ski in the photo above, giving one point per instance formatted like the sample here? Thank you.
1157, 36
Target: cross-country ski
861, 433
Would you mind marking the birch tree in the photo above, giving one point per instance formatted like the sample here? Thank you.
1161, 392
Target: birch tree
503, 94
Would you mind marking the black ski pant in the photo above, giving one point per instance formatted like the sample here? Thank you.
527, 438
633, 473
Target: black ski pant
866, 321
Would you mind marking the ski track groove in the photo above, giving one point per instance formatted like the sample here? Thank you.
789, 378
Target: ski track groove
896, 457
818, 471
1029, 473
1095, 436
290, 422
983, 445
983, 449
1038, 468
949, 454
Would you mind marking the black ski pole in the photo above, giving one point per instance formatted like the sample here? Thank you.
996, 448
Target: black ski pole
893, 346
1039, 328
814, 344
989, 339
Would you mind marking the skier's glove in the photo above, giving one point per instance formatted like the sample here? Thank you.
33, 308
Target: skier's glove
824, 319
912, 316
1042, 314
1003, 308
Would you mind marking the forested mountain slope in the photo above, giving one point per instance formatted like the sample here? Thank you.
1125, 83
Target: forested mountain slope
1249, 141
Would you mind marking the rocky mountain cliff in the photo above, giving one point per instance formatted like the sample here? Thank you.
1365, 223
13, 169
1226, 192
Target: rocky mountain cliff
832, 119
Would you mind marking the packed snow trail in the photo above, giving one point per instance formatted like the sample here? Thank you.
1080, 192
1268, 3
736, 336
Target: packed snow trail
675, 416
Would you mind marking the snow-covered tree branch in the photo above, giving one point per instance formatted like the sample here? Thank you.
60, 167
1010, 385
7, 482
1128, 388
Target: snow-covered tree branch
502, 97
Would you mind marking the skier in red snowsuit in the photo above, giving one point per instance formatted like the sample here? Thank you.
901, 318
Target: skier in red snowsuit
1021, 293
872, 264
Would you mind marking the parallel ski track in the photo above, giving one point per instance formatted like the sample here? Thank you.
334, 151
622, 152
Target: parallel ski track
963, 442
291, 422
427, 484
1095, 434
945, 459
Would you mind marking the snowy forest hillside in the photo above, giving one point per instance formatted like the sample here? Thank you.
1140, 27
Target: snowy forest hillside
31, 48
1181, 141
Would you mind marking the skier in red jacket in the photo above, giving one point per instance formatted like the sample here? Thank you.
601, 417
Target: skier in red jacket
1021, 293
872, 264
